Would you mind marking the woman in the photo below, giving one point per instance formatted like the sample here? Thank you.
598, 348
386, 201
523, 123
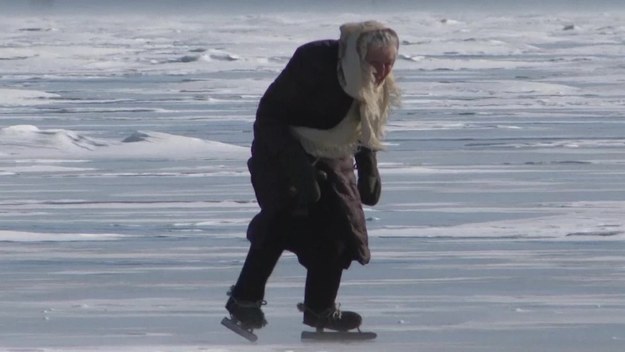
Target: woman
327, 108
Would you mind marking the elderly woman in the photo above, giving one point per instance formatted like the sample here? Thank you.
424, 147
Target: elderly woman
327, 108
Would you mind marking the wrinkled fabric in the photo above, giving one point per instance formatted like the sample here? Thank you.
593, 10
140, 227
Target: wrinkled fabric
306, 93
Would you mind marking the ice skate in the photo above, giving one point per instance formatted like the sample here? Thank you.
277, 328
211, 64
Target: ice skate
245, 316
340, 322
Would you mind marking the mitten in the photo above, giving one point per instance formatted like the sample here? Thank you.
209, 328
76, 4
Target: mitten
369, 182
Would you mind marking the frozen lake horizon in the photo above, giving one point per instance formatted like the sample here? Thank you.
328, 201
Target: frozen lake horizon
124, 193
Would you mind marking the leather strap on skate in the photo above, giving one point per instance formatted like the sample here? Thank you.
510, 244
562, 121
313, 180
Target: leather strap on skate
246, 304
333, 312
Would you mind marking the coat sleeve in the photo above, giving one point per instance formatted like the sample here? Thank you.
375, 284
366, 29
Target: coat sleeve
282, 104
282, 172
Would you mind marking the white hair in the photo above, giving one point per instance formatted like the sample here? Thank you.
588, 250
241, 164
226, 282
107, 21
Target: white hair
357, 79
381, 38
375, 107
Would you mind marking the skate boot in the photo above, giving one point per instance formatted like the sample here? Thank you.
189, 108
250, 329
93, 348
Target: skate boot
247, 314
332, 318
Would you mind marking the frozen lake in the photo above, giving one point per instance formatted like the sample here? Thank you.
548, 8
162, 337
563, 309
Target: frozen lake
124, 194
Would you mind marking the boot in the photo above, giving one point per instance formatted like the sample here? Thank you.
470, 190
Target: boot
247, 313
331, 318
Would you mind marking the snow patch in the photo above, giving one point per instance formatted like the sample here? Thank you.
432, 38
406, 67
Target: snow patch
26, 141
21, 236
23, 97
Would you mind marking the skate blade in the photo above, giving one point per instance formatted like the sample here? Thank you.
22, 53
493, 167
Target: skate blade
238, 329
339, 336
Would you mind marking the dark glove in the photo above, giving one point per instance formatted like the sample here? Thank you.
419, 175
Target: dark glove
301, 176
369, 182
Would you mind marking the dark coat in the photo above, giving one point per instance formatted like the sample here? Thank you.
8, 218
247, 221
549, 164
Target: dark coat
306, 93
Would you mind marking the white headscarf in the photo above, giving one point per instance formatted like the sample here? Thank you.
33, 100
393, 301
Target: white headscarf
354, 76
352, 53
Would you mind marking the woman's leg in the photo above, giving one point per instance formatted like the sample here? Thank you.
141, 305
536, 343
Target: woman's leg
258, 266
247, 296
322, 286
320, 310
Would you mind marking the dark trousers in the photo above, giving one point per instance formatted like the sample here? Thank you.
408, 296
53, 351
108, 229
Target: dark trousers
322, 281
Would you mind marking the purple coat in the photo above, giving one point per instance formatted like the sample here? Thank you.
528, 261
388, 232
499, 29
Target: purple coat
306, 93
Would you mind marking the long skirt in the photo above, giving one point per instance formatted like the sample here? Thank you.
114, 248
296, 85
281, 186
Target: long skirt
329, 232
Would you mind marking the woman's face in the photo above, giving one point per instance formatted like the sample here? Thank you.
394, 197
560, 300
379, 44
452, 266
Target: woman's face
381, 59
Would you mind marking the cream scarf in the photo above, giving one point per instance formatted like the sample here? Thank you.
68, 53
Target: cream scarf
340, 141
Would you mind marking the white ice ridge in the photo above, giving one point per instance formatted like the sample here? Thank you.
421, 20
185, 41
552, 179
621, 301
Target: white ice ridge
22, 97
23, 236
28, 140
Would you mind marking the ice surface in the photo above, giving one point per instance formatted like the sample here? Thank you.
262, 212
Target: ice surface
125, 196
